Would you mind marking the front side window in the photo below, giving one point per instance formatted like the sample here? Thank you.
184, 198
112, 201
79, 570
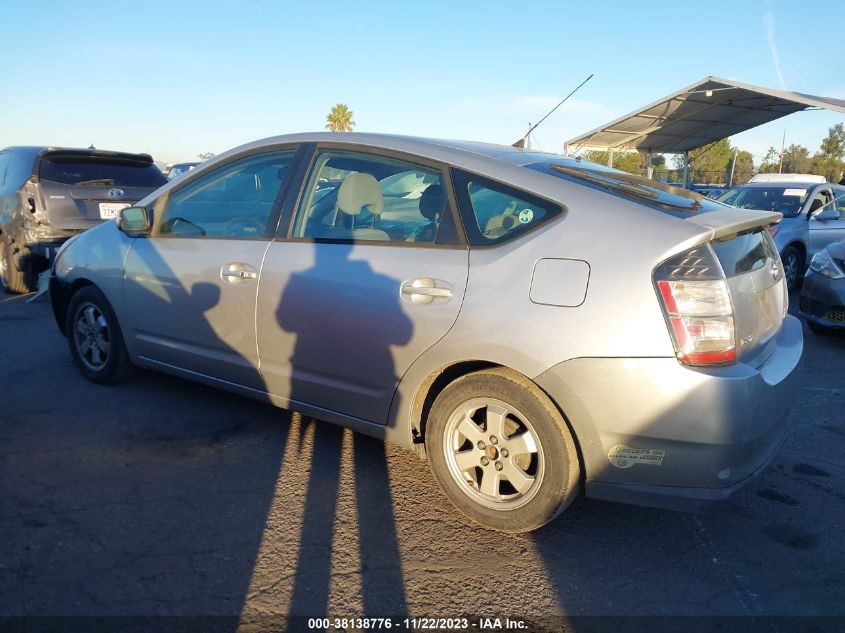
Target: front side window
352, 196
234, 201
498, 212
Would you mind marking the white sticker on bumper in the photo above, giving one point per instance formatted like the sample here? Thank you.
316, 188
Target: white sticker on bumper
623, 456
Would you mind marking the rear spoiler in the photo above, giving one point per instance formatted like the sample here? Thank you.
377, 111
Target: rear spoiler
62, 153
725, 223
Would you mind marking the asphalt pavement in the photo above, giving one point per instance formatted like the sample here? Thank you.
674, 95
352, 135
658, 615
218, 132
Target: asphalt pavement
160, 497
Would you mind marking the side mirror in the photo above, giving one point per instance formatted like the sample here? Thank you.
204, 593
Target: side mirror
828, 212
133, 220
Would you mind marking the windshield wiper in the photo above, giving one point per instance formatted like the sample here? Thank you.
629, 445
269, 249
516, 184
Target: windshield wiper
97, 181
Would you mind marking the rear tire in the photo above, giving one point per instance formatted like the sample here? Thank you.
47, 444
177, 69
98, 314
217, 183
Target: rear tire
14, 280
95, 340
501, 451
793, 267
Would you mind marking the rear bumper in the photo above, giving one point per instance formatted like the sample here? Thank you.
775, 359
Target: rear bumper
654, 432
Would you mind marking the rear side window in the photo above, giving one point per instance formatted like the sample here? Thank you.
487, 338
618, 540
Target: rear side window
100, 172
495, 213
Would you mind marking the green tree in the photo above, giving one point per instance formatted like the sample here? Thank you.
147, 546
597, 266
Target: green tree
632, 162
796, 159
771, 162
339, 119
833, 145
828, 161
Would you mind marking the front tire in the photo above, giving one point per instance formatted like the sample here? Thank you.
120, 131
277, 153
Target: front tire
501, 451
95, 340
793, 267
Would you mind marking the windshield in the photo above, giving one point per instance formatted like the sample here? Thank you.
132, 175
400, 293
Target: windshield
784, 199
672, 200
99, 172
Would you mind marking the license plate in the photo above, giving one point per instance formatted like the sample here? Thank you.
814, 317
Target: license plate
110, 210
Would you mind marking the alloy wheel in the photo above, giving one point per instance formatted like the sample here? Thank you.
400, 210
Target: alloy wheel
92, 336
790, 267
494, 453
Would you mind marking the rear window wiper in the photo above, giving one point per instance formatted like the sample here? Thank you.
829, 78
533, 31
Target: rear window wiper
97, 181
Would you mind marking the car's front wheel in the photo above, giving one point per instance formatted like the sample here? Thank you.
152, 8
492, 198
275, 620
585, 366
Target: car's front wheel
95, 340
501, 451
793, 267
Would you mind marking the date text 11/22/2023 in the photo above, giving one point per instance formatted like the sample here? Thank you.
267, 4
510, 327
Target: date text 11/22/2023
416, 624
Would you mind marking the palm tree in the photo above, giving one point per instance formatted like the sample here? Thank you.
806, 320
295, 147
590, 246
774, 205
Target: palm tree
340, 119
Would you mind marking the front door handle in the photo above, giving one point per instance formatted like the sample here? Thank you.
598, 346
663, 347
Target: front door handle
425, 290
238, 273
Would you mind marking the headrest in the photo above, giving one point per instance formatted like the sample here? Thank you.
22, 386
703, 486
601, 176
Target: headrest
816, 204
358, 191
432, 202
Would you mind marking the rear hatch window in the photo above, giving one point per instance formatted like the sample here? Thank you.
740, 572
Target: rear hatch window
757, 286
97, 171
675, 201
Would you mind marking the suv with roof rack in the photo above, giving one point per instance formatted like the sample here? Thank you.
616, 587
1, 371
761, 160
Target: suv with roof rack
49, 194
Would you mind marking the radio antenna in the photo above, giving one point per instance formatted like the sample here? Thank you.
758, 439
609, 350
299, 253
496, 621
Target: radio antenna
521, 142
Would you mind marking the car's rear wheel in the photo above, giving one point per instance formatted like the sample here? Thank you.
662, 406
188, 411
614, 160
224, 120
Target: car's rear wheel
501, 451
13, 279
793, 267
95, 340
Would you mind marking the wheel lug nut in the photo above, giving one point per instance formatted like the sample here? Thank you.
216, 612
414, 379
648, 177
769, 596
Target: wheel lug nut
494, 439
499, 466
504, 452
484, 461
481, 445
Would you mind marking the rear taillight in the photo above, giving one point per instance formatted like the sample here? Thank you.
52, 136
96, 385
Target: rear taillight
695, 299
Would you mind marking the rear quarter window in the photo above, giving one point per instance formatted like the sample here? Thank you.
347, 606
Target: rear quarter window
494, 213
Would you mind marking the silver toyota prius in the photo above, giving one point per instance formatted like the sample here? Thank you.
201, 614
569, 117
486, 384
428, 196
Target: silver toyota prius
532, 325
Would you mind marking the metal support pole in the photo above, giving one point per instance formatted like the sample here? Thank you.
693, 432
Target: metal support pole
649, 169
609, 157
733, 167
566, 149
686, 170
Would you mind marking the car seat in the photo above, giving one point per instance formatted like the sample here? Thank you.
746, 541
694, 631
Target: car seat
432, 203
359, 191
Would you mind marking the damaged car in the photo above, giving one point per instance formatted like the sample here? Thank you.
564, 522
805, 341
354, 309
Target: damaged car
50, 194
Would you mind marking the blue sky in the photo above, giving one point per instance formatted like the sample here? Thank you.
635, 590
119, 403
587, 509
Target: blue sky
180, 77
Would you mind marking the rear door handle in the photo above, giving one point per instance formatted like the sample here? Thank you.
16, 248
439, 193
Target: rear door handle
425, 290
238, 273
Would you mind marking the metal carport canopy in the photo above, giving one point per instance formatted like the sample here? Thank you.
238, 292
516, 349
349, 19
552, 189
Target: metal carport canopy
700, 114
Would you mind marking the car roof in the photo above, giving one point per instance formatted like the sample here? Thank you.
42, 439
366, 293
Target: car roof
441, 149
